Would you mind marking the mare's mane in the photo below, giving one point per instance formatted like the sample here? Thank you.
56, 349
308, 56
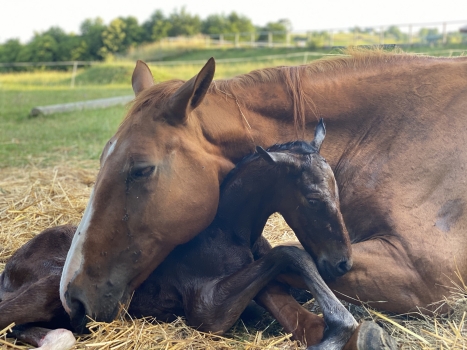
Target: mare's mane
291, 76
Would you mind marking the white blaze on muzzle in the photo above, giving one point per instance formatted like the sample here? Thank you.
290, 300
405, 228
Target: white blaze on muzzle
74, 259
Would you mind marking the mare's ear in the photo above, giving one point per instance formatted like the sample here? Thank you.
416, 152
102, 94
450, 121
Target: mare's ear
277, 157
141, 78
191, 94
320, 133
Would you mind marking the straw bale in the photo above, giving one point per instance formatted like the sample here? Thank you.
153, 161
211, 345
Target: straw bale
33, 199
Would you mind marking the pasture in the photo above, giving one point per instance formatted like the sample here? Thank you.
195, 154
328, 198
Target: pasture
47, 168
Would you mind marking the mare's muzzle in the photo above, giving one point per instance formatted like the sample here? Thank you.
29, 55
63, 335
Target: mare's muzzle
105, 308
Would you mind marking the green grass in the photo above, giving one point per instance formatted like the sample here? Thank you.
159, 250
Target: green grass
81, 135
45, 140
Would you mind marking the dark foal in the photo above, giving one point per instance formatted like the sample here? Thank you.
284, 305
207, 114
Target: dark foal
211, 279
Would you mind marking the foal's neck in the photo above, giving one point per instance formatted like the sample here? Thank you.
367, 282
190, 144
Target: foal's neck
248, 198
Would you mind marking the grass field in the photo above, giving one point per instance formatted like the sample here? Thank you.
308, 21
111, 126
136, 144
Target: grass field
47, 167
82, 134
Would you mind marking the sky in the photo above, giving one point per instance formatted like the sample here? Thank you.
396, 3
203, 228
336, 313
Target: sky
21, 18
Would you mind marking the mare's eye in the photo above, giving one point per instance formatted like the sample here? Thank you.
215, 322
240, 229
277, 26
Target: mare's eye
142, 172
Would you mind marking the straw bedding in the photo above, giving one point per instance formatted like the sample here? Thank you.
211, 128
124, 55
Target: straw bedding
33, 199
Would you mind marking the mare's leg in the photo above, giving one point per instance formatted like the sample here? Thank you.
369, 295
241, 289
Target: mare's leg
220, 303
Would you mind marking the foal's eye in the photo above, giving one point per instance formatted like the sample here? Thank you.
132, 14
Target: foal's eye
141, 173
314, 203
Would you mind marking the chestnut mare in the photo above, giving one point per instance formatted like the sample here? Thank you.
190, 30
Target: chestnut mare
211, 279
397, 136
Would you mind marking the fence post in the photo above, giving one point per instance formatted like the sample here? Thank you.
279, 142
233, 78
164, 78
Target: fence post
73, 74
381, 36
270, 39
305, 57
252, 39
287, 38
331, 38
445, 34
221, 39
208, 40
410, 35
236, 39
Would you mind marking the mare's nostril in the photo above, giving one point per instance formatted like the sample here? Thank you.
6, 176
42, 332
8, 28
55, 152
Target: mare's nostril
78, 315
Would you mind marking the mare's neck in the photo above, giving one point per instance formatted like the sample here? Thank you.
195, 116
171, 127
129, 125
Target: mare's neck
246, 202
353, 97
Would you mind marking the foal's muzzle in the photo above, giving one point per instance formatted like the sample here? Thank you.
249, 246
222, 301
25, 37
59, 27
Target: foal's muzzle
332, 270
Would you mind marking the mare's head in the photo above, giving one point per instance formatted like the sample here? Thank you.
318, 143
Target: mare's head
309, 202
158, 186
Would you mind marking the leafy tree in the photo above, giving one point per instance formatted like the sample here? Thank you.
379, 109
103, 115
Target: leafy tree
396, 32
240, 24
133, 31
25, 54
182, 23
215, 24
68, 45
157, 27
424, 32
96, 40
430, 35
10, 50
91, 33
221, 24
278, 29
113, 37
80, 50
43, 48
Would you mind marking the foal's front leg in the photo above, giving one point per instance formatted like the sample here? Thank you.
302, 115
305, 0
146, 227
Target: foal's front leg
220, 303
304, 325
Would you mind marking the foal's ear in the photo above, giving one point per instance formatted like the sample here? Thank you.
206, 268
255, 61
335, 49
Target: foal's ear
320, 133
276, 157
265, 155
141, 78
191, 94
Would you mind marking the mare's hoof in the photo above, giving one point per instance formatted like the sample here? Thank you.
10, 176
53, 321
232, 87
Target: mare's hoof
370, 336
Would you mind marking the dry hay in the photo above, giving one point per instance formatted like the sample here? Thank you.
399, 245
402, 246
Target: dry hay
33, 199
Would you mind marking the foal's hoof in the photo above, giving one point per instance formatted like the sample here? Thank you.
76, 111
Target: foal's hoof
57, 339
370, 336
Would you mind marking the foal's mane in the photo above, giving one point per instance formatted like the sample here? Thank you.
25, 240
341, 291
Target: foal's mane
296, 147
353, 59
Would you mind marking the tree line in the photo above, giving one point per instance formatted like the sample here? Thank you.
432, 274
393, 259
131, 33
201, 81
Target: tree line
97, 40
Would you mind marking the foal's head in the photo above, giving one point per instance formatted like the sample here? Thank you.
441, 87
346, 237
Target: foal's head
308, 199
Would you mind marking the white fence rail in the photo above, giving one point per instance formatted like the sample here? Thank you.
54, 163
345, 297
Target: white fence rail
77, 106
